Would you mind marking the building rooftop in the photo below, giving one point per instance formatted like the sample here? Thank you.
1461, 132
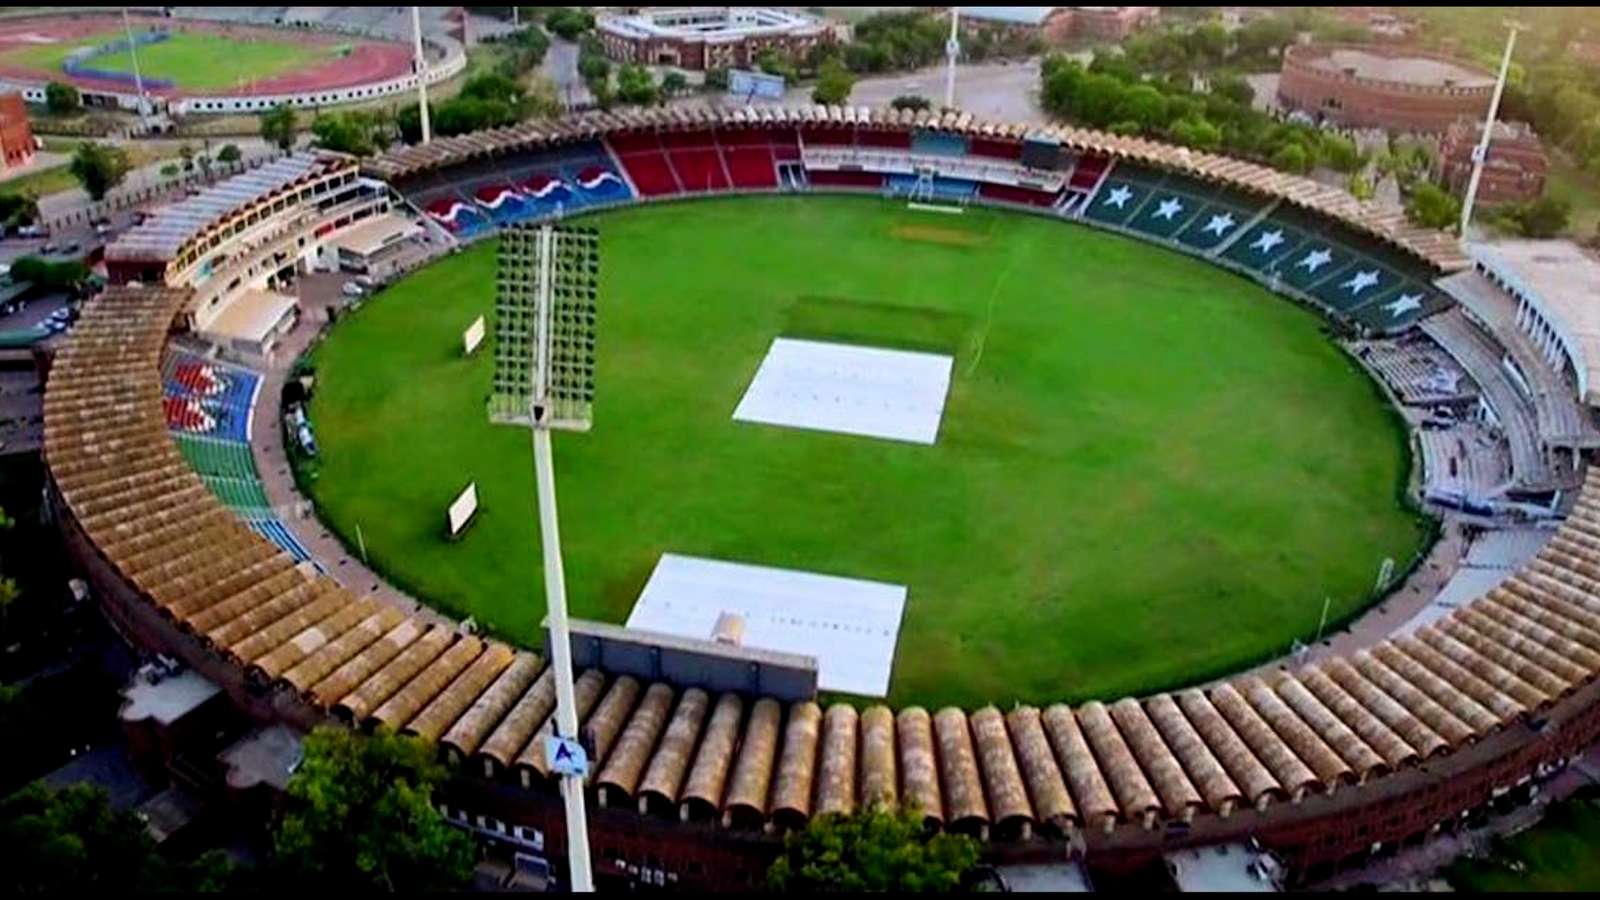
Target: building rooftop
1011, 15
266, 756
1229, 868
161, 236
169, 699
707, 23
1417, 70
1563, 280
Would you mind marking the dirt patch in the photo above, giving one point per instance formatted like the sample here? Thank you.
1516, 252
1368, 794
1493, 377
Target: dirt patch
935, 234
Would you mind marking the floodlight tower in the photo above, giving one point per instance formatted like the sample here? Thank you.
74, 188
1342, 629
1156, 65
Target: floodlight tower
1480, 153
952, 50
544, 380
422, 73
138, 82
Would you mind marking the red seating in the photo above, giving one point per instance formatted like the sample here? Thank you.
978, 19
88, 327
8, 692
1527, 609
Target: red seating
845, 179
1089, 170
994, 148
751, 167
675, 140
828, 134
186, 415
899, 140
742, 137
650, 173
699, 170
633, 143
1012, 194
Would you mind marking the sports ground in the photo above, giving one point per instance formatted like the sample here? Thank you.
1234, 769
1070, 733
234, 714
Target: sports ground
193, 60
1148, 471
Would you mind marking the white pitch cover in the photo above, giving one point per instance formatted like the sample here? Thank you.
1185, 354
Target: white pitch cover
869, 391
850, 625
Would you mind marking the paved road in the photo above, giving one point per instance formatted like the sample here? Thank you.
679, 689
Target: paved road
561, 66
75, 201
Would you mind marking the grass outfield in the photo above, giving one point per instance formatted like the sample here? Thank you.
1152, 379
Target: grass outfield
1149, 469
194, 60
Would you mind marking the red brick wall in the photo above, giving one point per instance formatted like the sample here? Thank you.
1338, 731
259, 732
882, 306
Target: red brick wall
16, 135
1367, 103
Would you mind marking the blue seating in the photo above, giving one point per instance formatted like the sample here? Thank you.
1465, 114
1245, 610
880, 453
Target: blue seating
274, 531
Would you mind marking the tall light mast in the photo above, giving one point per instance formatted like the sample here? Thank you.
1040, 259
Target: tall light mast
422, 73
1480, 154
138, 82
952, 50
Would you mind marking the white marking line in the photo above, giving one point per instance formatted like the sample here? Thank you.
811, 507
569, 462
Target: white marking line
894, 394
850, 625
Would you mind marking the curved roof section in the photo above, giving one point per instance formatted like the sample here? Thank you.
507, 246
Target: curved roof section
1561, 281
1258, 740
165, 232
1388, 224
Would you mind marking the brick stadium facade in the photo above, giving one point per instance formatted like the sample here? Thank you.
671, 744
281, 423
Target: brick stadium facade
678, 37
1397, 89
1324, 764
1515, 168
16, 135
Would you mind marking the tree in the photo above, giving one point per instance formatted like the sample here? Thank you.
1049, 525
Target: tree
634, 85
73, 841
774, 63
229, 154
278, 127
9, 594
1360, 187
1340, 153
49, 276
18, 209
1197, 133
99, 167
872, 851
1292, 157
567, 23
1545, 217
186, 153
1234, 88
674, 83
361, 817
170, 170
61, 98
915, 102
1433, 207
834, 83
716, 79
1264, 37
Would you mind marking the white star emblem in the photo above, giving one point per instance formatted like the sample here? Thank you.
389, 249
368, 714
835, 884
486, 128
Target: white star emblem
1119, 196
1360, 281
1404, 304
1218, 225
1315, 260
1168, 208
1267, 241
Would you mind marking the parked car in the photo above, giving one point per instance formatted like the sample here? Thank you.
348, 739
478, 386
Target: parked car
70, 247
33, 231
48, 248
352, 289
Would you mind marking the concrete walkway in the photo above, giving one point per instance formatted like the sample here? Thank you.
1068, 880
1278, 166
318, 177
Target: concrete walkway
318, 293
